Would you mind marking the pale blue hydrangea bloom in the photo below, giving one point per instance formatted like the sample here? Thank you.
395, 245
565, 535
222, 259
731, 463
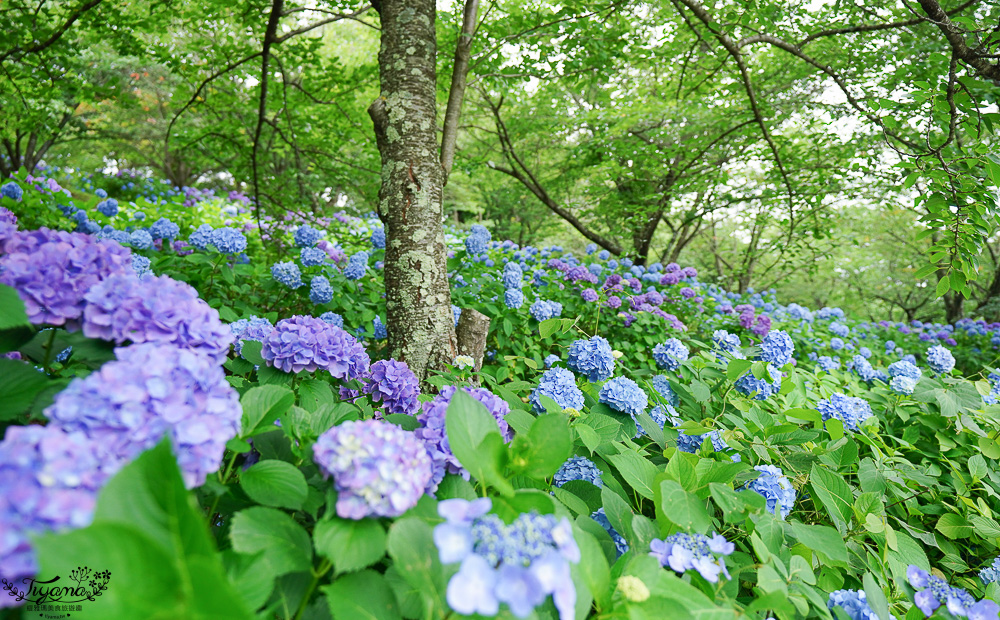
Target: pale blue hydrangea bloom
775, 487
670, 355
777, 348
940, 359
850, 410
684, 552
624, 395
558, 384
592, 358
578, 468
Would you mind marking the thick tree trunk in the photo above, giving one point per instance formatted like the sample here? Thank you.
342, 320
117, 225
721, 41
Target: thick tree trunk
418, 298
954, 307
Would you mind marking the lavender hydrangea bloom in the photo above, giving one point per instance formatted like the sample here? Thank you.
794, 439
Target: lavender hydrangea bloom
777, 348
850, 410
621, 545
940, 359
775, 487
670, 354
578, 468
519, 564
320, 291
394, 385
305, 343
855, 605
228, 240
558, 384
287, 273
201, 237
592, 358
684, 552
934, 592
306, 236
432, 429
378, 469
53, 270
49, 479
624, 395
164, 229
253, 328
589, 295
155, 309
151, 389
12, 190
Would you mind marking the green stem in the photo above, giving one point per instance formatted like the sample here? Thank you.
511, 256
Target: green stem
48, 351
324, 568
223, 477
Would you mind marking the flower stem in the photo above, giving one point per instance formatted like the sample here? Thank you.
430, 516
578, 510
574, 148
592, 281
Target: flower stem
324, 568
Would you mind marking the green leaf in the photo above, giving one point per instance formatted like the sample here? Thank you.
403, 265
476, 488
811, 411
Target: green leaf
275, 483
414, 554
943, 286
834, 493
825, 541
876, 597
284, 544
350, 544
251, 352
954, 526
314, 393
736, 368
263, 405
20, 383
12, 312
541, 452
677, 506
548, 327
637, 471
362, 596
474, 437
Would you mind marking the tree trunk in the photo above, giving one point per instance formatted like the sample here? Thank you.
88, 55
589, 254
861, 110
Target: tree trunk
954, 307
418, 299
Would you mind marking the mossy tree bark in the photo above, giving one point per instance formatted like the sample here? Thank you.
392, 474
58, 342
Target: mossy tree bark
418, 300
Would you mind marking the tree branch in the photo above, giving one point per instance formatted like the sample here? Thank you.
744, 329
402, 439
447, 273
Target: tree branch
459, 74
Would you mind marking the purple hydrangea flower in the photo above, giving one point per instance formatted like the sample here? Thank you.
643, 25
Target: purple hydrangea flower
850, 410
154, 389
432, 429
592, 358
670, 354
934, 592
394, 385
306, 343
155, 309
558, 384
53, 270
589, 295
378, 469
683, 552
624, 395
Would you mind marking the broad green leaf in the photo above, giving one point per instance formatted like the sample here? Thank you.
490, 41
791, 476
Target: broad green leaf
834, 493
362, 596
350, 544
275, 483
262, 406
637, 471
825, 541
12, 312
20, 383
285, 545
954, 526
681, 508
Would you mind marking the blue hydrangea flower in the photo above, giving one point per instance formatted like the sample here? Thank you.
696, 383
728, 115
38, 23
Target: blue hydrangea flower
839, 330
306, 343
558, 384
253, 328
624, 395
542, 310
940, 359
312, 257
140, 239
378, 238
108, 208
164, 229
865, 352
850, 410
478, 240
306, 236
592, 358
670, 354
320, 291
551, 360
456, 313
662, 386
12, 190
775, 487
513, 298
201, 237
760, 389
684, 552
777, 348
693, 443
141, 265
356, 266
512, 275
727, 343
855, 605
287, 273
864, 368
828, 363
578, 468
381, 332
890, 346
332, 318
621, 545
100, 193
128, 404
228, 240
378, 469
934, 592
519, 564
991, 573
836, 344
394, 385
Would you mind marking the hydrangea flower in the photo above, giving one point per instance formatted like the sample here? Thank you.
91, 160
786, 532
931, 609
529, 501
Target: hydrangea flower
934, 592
378, 469
49, 479
777, 348
228, 240
940, 359
558, 384
287, 273
153, 388
305, 343
855, 605
670, 355
836, 344
53, 270
578, 468
140, 239
201, 237
108, 208
320, 291
828, 363
378, 238
520, 564
684, 552
155, 309
477, 240
662, 386
356, 266
306, 236
513, 298
850, 410
551, 360
839, 330
991, 573
11, 190
512, 275
904, 375
624, 395
589, 295
164, 229
312, 257
332, 318
760, 389
864, 369
394, 385
621, 545
253, 328
727, 343
435, 438
775, 487
592, 358
543, 309
141, 265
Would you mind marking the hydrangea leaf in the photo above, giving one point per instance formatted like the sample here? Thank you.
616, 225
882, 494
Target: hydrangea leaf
275, 483
350, 544
364, 596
